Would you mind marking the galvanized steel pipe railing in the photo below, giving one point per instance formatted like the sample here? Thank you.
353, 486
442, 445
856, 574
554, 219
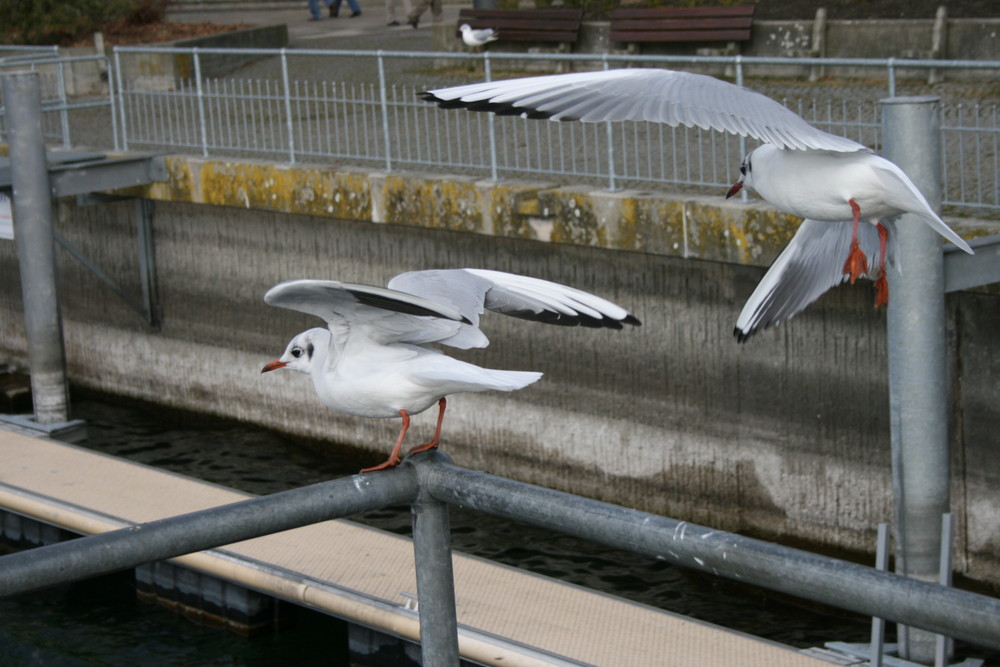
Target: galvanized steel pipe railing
959, 614
167, 538
429, 480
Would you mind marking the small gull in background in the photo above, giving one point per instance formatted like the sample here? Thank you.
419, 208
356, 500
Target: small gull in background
370, 360
476, 38
800, 169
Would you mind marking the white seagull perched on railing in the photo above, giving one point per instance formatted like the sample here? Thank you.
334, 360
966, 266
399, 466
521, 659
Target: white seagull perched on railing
479, 37
370, 360
800, 169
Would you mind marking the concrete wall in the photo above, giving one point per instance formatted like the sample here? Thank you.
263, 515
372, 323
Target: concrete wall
786, 436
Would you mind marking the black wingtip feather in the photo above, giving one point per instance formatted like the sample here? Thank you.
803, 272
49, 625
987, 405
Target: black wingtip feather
394, 305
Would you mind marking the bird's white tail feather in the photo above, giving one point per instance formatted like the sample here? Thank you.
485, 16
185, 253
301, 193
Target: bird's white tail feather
942, 228
511, 380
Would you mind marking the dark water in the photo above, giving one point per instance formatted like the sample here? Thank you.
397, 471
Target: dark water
100, 623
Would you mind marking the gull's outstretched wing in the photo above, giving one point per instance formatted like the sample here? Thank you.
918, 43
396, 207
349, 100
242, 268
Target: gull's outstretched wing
811, 263
385, 315
656, 95
471, 291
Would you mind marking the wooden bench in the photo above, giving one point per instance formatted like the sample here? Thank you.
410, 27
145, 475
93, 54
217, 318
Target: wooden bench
525, 25
682, 24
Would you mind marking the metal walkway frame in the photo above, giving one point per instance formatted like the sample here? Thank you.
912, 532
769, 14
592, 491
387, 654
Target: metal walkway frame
429, 482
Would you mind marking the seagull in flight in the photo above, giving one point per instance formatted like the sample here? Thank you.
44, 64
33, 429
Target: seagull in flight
476, 38
799, 168
371, 359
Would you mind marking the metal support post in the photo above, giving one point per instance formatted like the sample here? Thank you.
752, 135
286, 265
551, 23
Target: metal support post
878, 624
435, 580
918, 380
32, 208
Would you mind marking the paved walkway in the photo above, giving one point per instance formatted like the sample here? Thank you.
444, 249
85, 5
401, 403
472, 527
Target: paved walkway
329, 33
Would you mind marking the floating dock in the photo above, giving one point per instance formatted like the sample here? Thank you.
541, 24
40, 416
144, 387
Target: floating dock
366, 576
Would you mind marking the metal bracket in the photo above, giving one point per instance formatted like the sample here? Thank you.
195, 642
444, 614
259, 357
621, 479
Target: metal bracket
149, 309
85, 174
965, 271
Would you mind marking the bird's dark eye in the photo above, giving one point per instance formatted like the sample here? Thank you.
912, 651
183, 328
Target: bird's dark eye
743, 169
296, 352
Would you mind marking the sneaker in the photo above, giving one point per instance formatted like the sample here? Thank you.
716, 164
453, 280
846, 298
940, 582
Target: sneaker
392, 23
356, 14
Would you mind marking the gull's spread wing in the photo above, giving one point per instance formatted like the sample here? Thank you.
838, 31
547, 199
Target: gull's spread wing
811, 263
384, 314
656, 95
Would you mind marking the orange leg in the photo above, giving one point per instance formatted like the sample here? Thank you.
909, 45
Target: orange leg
394, 459
881, 284
437, 432
856, 264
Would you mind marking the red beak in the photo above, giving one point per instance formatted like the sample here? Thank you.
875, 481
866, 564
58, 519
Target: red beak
274, 365
737, 186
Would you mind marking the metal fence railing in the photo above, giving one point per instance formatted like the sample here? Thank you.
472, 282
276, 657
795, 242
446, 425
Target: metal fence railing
61, 94
362, 107
430, 483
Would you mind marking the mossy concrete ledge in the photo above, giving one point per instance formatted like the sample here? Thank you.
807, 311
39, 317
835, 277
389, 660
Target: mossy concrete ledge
705, 227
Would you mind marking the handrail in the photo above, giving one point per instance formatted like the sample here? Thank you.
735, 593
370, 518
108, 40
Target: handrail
430, 477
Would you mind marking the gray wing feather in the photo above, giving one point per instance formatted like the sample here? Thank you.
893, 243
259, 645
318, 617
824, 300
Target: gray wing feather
471, 291
811, 263
385, 314
655, 95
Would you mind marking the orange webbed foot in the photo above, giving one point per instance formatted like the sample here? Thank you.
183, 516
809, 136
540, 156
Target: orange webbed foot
856, 264
881, 289
391, 462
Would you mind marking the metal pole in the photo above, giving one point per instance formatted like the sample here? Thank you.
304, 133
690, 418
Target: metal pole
384, 103
878, 624
610, 134
435, 579
943, 647
289, 122
491, 121
158, 540
865, 590
918, 388
120, 91
32, 209
200, 97
744, 195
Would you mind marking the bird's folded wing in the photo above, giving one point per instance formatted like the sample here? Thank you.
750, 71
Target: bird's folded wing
811, 263
386, 315
656, 95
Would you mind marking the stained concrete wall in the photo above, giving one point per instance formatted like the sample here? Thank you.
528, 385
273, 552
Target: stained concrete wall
786, 436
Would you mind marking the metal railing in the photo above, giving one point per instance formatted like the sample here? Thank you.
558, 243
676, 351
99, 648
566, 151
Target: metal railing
377, 119
58, 107
430, 482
